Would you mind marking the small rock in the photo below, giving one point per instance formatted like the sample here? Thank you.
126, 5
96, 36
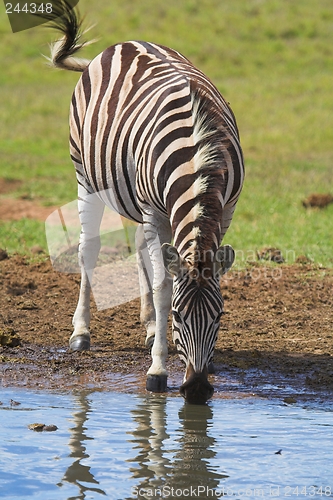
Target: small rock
289, 400
14, 403
273, 254
303, 259
9, 338
36, 427
42, 427
36, 249
28, 305
317, 200
3, 254
50, 428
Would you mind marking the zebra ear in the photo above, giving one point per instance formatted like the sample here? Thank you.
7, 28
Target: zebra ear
171, 259
224, 259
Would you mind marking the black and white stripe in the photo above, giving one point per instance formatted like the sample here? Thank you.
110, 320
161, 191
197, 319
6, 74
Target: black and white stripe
153, 138
195, 334
144, 115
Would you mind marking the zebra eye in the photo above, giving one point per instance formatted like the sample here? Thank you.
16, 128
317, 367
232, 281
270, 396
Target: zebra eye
176, 316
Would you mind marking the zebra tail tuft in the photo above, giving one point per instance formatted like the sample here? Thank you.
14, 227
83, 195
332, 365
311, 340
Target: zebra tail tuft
67, 20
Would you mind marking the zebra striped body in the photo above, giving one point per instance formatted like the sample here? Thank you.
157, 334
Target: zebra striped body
152, 137
133, 117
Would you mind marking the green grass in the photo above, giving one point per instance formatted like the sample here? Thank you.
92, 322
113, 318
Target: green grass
20, 236
272, 60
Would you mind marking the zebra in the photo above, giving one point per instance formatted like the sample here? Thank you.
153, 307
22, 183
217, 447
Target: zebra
153, 138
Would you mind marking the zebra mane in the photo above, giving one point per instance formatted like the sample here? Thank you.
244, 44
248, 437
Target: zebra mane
210, 165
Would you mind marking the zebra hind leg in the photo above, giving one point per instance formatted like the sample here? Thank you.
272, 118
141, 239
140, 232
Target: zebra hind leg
145, 271
91, 210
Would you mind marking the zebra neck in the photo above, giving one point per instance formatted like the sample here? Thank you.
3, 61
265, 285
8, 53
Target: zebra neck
199, 241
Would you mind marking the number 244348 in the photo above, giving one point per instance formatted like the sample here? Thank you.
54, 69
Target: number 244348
29, 8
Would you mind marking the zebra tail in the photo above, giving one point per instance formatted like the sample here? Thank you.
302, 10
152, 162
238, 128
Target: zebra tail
67, 20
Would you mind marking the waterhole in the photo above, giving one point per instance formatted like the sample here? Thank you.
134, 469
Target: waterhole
123, 446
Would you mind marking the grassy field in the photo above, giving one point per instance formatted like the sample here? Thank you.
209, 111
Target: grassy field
271, 59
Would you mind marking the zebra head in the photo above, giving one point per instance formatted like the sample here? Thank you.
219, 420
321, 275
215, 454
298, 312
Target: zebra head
197, 306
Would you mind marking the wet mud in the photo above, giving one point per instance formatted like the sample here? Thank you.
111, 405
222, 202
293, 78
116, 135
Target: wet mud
277, 329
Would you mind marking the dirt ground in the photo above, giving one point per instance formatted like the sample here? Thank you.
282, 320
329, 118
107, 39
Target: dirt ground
16, 208
278, 322
277, 326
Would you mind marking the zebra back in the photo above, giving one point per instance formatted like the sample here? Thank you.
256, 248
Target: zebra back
149, 127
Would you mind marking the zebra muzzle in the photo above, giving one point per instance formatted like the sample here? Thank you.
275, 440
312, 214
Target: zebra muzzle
197, 390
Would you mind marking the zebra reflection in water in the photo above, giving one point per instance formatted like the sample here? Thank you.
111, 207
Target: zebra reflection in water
169, 452
178, 459
77, 473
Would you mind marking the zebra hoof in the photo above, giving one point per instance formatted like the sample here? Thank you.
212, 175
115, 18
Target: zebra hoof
156, 383
79, 343
149, 341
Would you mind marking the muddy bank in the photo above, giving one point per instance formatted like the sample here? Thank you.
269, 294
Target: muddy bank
278, 324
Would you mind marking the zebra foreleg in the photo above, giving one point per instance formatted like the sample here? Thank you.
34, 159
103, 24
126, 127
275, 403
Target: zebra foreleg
91, 212
157, 374
156, 232
145, 271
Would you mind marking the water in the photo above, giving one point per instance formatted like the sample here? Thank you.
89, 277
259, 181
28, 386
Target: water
124, 446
